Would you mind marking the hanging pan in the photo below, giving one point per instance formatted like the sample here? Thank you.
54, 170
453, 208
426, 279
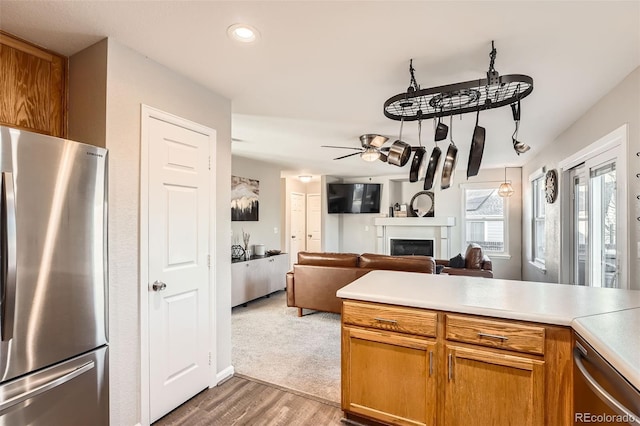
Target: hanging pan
432, 165
450, 159
441, 130
419, 158
400, 151
477, 148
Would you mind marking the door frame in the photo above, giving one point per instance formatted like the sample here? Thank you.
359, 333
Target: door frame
616, 143
146, 114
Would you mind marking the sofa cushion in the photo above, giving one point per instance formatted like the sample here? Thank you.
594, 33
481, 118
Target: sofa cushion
473, 257
398, 263
327, 259
457, 261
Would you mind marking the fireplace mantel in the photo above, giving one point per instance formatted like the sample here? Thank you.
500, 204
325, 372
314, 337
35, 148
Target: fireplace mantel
436, 228
415, 221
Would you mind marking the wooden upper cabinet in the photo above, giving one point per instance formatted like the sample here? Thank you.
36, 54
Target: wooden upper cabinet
33, 87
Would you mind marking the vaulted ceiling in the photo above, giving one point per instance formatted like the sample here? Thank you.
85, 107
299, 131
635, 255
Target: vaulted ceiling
321, 70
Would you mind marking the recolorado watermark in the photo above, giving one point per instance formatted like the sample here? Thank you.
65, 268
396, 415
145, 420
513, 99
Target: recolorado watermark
604, 418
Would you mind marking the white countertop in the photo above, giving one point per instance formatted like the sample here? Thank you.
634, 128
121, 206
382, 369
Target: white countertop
616, 336
557, 304
605, 317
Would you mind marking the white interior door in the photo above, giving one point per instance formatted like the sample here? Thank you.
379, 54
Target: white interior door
178, 250
298, 219
314, 229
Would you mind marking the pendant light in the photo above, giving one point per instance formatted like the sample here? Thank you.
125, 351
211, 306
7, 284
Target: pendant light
505, 189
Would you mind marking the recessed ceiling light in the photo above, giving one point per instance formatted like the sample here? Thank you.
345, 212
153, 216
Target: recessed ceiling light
243, 33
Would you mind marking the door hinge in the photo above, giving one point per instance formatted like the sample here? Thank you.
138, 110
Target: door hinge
208, 261
209, 162
209, 358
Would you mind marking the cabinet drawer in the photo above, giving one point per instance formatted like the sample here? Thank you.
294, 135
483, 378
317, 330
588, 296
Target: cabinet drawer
496, 334
390, 318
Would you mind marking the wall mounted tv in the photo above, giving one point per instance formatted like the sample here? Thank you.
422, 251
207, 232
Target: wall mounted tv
354, 197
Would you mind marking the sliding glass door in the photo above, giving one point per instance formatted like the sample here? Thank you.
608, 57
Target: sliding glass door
594, 221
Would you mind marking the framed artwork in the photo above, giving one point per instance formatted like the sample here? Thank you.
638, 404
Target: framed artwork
245, 194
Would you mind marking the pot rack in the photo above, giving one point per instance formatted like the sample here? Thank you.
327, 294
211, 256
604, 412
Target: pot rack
494, 91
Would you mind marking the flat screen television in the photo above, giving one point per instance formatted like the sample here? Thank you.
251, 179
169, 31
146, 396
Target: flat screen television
354, 197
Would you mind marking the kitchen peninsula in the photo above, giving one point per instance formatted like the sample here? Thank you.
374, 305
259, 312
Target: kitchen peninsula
467, 350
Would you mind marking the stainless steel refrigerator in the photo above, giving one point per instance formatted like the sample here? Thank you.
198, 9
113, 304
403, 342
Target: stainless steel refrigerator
53, 281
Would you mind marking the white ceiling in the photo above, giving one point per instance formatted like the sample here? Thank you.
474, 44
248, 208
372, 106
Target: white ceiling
322, 69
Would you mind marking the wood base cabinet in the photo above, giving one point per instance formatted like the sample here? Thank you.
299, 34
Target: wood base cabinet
409, 366
390, 377
489, 388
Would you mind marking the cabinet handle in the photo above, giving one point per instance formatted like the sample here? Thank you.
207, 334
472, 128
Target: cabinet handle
388, 321
493, 336
430, 363
450, 367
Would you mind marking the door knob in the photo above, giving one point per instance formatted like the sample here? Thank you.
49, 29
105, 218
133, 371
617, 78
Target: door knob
293, 236
158, 286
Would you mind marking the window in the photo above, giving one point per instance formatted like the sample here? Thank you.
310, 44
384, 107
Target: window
485, 223
537, 234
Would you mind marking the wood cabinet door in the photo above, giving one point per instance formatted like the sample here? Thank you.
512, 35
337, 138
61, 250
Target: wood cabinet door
33, 88
389, 377
489, 388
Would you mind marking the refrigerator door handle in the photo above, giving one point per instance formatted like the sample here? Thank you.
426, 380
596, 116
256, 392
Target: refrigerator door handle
9, 263
62, 379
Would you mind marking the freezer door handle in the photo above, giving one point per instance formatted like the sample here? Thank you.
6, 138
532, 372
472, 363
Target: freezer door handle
61, 379
9, 260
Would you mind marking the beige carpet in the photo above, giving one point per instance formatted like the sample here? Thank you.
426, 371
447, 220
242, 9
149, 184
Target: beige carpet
270, 343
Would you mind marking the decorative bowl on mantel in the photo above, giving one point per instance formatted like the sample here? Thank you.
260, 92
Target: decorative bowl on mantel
273, 252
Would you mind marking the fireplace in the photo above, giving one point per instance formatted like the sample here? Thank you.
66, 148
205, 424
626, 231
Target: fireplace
410, 247
437, 230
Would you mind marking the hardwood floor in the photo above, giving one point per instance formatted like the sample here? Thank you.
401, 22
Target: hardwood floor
242, 401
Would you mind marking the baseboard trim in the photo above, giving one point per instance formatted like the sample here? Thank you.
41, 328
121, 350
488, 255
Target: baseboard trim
225, 374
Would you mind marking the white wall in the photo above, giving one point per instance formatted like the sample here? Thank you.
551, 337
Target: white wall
620, 106
358, 234
270, 204
132, 80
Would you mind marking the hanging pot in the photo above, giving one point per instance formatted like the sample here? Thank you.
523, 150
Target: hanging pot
432, 168
418, 165
441, 130
477, 148
399, 153
434, 160
450, 160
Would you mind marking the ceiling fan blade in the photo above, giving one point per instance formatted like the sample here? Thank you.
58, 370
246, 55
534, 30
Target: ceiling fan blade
348, 155
383, 157
340, 147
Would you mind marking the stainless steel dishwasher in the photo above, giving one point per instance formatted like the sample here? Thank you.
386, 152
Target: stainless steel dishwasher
601, 395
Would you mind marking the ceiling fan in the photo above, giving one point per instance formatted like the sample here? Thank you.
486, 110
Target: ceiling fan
370, 150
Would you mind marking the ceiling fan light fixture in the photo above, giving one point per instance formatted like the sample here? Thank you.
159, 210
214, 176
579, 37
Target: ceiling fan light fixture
370, 154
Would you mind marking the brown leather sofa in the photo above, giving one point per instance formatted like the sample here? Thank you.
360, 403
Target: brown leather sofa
476, 264
315, 279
